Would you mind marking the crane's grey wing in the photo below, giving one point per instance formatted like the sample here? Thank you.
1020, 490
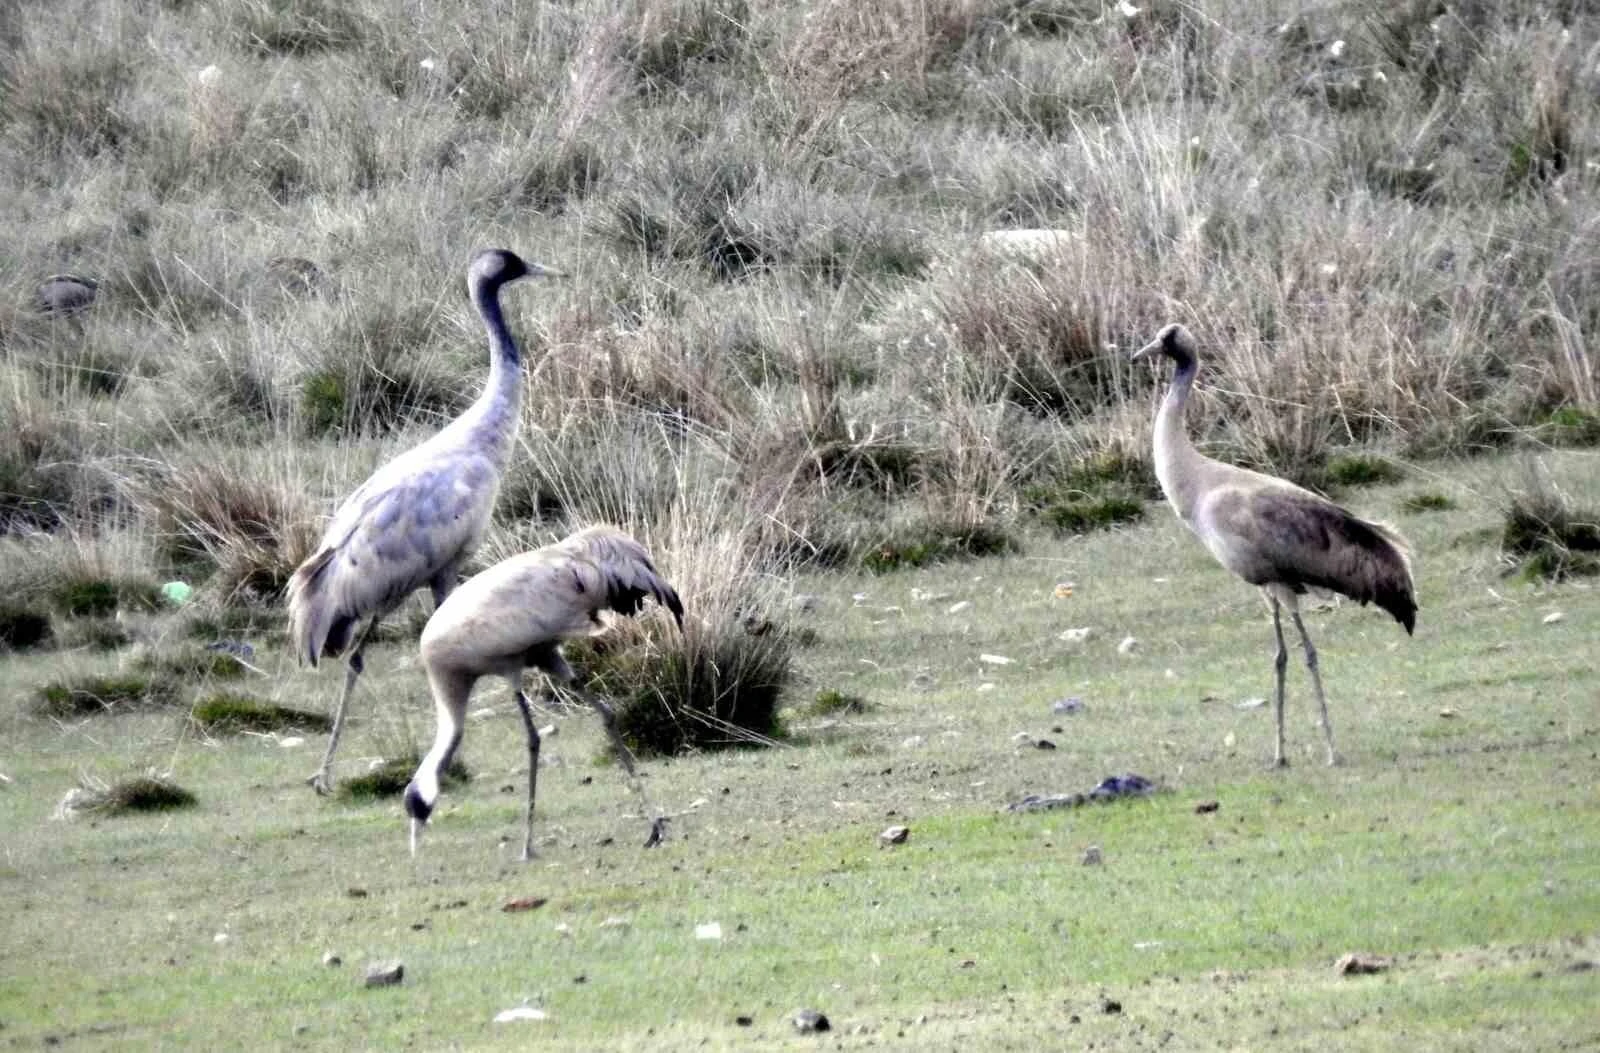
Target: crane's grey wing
413, 520
1303, 541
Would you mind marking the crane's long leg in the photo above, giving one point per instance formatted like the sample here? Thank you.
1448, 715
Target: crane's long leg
1280, 663
533, 764
608, 718
1316, 686
322, 780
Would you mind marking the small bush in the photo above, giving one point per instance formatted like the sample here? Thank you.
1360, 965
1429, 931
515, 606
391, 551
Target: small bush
1428, 502
1358, 469
922, 543
1545, 535
91, 695
389, 779
228, 713
295, 27
23, 628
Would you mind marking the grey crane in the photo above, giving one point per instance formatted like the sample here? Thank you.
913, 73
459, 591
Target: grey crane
1272, 533
417, 518
513, 616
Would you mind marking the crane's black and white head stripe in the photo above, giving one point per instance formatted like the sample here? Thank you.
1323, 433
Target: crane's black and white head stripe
1174, 341
421, 794
493, 268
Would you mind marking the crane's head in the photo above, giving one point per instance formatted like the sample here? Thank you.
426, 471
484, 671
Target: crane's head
1175, 342
420, 796
497, 267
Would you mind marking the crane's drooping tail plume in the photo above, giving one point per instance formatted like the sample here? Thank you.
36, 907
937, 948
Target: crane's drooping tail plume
513, 616
1275, 535
417, 518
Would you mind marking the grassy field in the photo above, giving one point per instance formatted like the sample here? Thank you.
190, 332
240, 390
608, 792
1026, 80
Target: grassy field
792, 355
1465, 845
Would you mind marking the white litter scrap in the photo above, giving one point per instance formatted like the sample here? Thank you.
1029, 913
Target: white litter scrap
995, 659
521, 1012
711, 930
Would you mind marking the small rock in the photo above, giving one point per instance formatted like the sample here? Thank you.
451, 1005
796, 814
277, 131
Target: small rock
1110, 1005
987, 686
385, 974
614, 922
711, 930
1128, 645
356, 892
515, 906
1250, 703
994, 659
1022, 738
1447, 712
521, 1012
290, 742
64, 294
1357, 963
1075, 636
1205, 807
804, 602
1044, 744
1092, 856
895, 835
1064, 590
548, 730
220, 938
1553, 617
959, 607
744, 1021
1229, 740
923, 682
810, 1020
332, 960
911, 742
1068, 705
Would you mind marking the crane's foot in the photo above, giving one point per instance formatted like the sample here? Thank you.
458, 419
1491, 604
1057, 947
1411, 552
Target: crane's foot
1278, 764
658, 831
322, 782
1334, 760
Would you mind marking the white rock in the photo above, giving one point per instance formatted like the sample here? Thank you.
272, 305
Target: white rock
521, 1012
220, 937
995, 659
1250, 703
987, 686
1553, 617
1128, 645
711, 930
548, 730
614, 922
957, 608
291, 742
911, 742
1075, 636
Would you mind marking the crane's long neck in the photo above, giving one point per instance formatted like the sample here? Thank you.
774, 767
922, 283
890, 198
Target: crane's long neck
495, 416
1178, 463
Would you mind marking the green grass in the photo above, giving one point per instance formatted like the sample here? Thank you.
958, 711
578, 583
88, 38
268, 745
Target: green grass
1464, 846
231, 712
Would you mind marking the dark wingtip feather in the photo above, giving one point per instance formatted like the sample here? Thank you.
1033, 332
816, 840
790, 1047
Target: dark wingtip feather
675, 605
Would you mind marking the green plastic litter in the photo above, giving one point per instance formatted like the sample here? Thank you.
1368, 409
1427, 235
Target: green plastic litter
177, 593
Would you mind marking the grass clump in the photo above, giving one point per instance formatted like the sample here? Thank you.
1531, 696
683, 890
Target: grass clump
231, 713
190, 663
831, 702
1361, 469
87, 696
389, 778
1572, 426
131, 796
921, 543
1427, 502
97, 597
1545, 535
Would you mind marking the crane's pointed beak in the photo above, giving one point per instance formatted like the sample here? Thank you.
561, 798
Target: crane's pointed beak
1145, 351
539, 270
416, 831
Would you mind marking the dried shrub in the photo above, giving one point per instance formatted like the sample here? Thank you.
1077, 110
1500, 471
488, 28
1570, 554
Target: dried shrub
1545, 534
134, 795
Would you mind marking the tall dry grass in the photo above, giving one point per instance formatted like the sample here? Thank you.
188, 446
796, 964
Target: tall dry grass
1376, 217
